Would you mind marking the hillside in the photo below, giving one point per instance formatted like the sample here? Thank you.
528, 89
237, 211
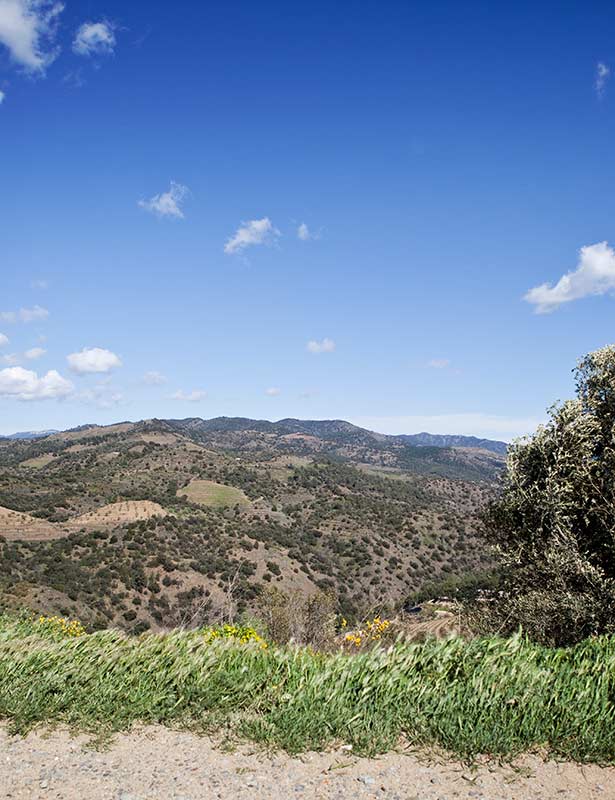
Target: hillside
147, 524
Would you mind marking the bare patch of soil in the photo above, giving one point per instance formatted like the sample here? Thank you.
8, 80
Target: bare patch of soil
17, 525
38, 461
160, 764
120, 513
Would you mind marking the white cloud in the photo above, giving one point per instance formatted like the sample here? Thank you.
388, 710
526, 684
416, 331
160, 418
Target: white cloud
101, 397
23, 384
94, 39
273, 391
167, 204
27, 29
25, 314
323, 346
256, 231
39, 283
4, 340
92, 360
191, 397
488, 426
594, 275
154, 378
603, 73
439, 363
305, 234
74, 78
2, 96
33, 314
11, 359
34, 353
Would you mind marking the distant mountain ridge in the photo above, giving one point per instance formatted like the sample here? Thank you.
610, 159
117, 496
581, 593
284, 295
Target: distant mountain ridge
30, 434
324, 429
335, 428
454, 440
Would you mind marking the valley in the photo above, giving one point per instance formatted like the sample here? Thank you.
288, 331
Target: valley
146, 525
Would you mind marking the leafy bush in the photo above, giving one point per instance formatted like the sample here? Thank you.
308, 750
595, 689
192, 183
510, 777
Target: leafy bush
291, 616
554, 525
463, 589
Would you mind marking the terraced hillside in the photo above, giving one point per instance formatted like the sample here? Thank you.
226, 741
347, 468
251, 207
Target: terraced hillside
150, 524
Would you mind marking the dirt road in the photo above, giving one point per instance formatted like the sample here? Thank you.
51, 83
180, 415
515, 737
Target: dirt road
160, 764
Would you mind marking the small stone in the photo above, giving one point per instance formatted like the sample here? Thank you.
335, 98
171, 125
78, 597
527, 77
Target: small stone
367, 780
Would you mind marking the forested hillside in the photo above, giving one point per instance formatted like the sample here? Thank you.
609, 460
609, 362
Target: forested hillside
147, 524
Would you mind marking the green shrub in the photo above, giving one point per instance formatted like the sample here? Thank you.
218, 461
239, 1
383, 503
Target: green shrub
554, 523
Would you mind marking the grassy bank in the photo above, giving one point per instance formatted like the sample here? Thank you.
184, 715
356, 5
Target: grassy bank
482, 696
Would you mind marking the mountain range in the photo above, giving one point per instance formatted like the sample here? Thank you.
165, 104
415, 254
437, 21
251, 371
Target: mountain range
147, 524
322, 428
29, 434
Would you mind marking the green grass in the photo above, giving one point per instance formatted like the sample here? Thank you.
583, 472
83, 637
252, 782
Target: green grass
483, 696
215, 495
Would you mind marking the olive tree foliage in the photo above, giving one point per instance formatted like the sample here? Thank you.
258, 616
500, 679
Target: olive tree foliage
554, 523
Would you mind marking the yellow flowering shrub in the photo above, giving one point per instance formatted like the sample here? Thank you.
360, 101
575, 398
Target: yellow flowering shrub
241, 633
372, 631
60, 626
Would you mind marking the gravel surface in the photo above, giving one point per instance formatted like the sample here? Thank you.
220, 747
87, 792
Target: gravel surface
160, 764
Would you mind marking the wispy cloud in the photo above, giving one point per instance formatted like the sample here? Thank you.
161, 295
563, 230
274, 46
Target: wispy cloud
489, 426
23, 384
11, 359
4, 340
100, 396
74, 78
2, 96
167, 204
256, 231
39, 283
594, 275
34, 314
94, 39
92, 360
306, 234
273, 391
603, 73
34, 352
28, 29
439, 363
323, 346
190, 397
154, 378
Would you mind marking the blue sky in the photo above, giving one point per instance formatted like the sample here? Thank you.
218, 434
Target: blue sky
321, 210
